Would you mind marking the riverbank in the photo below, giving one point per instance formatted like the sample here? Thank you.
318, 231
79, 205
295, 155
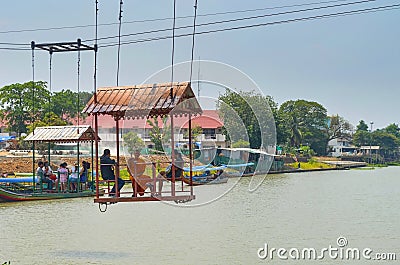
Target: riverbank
319, 165
15, 165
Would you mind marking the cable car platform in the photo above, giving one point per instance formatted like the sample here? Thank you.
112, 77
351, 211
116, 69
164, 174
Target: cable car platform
177, 199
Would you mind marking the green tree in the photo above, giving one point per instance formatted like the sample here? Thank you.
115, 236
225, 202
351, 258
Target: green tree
339, 128
241, 144
307, 122
362, 136
133, 142
65, 103
242, 121
387, 142
362, 126
157, 134
22, 104
49, 119
282, 132
196, 131
393, 129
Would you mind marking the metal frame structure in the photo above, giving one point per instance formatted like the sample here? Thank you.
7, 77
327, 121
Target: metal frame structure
142, 102
77, 46
64, 134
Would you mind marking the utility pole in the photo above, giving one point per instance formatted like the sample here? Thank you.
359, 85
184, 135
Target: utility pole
370, 143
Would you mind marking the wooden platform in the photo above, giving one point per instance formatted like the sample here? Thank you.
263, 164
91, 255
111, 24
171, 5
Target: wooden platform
178, 199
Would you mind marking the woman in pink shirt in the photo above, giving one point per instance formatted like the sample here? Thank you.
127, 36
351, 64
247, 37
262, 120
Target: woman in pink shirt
63, 171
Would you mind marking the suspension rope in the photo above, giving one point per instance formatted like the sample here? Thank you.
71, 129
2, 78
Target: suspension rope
78, 110
78, 79
193, 40
50, 83
173, 52
49, 100
119, 37
33, 110
96, 139
33, 81
95, 52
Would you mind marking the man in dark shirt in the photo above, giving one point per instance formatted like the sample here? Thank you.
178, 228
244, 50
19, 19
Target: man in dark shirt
107, 171
178, 164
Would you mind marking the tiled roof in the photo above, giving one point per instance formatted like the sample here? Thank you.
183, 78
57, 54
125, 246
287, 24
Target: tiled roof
209, 119
143, 101
61, 134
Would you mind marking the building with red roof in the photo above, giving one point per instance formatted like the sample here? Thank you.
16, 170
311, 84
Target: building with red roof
209, 121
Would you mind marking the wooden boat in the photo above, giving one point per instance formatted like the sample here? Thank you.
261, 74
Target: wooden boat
205, 175
21, 189
205, 181
243, 162
27, 188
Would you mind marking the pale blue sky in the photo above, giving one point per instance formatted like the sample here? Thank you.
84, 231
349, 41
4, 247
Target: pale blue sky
351, 64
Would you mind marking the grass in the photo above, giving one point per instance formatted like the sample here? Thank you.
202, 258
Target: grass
377, 165
312, 164
393, 163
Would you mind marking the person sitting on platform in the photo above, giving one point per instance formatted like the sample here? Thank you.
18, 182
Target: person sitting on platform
136, 169
83, 173
178, 165
48, 174
41, 174
107, 170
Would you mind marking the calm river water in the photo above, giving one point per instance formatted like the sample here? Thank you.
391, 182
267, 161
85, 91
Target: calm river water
287, 211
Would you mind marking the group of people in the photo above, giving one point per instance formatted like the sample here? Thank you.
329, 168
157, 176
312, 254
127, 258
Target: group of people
107, 173
67, 174
73, 175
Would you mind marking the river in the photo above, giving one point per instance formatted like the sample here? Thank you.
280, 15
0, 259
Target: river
304, 210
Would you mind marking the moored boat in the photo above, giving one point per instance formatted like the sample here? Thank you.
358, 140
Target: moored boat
22, 189
206, 174
14, 195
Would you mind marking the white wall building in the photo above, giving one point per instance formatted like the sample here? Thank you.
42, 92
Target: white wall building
339, 146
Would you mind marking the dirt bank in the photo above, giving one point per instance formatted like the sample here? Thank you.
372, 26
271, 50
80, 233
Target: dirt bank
10, 164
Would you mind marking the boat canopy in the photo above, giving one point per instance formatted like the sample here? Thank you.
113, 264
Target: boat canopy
143, 101
249, 150
62, 134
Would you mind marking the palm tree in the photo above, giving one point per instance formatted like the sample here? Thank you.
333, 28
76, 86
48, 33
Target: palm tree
295, 133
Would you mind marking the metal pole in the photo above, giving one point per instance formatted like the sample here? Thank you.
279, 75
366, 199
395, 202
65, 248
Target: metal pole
96, 126
370, 144
91, 177
33, 113
78, 110
190, 154
49, 99
117, 164
172, 156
